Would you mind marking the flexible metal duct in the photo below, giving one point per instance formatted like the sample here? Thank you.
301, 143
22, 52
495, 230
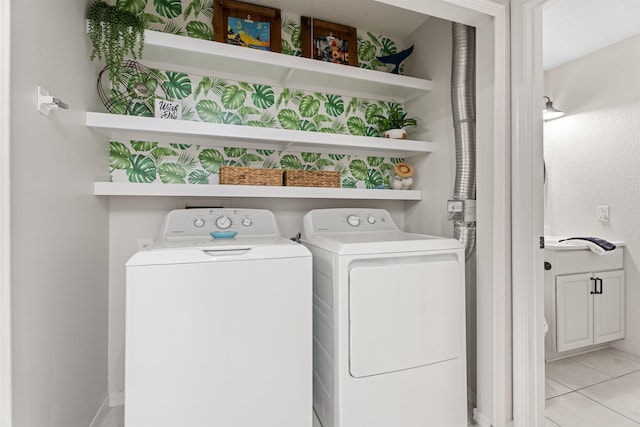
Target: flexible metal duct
463, 104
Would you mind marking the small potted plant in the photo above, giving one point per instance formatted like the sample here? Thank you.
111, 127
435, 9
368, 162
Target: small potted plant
114, 33
393, 123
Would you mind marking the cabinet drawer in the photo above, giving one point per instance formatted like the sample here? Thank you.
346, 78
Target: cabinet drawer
585, 261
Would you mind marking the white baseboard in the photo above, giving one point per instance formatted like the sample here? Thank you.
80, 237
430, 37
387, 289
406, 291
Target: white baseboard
102, 412
480, 419
628, 346
116, 398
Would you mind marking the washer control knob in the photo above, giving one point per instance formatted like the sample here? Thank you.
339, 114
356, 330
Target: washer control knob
198, 222
247, 222
223, 222
353, 220
371, 219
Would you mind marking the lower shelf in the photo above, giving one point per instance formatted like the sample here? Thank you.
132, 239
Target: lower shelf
251, 191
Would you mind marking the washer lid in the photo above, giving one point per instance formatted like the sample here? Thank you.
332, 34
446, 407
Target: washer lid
183, 251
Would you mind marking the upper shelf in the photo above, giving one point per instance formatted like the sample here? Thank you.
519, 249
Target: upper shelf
203, 57
120, 127
252, 191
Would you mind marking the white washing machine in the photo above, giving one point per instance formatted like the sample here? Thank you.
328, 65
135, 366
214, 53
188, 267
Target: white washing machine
389, 322
218, 330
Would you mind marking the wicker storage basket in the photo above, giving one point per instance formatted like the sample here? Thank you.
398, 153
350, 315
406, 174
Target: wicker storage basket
300, 178
237, 175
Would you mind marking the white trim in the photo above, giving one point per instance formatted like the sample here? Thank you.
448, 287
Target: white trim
116, 398
481, 419
102, 412
502, 233
6, 416
488, 7
527, 225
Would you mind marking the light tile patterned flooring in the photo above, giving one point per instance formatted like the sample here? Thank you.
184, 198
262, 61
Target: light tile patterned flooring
597, 389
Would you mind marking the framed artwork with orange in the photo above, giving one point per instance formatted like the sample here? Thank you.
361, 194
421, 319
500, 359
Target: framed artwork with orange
247, 25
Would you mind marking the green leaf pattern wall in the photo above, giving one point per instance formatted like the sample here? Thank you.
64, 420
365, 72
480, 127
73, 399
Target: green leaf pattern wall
215, 100
147, 162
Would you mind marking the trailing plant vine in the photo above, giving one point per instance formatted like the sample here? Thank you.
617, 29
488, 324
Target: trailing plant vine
114, 33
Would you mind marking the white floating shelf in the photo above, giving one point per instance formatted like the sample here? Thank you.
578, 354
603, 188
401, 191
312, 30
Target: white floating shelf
121, 127
203, 57
251, 191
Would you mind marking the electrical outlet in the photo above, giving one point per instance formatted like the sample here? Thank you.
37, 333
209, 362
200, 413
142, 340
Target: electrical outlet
602, 213
143, 244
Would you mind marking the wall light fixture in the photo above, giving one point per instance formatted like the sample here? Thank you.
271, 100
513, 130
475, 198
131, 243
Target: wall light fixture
549, 112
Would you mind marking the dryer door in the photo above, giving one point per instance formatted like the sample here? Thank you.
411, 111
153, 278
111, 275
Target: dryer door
405, 312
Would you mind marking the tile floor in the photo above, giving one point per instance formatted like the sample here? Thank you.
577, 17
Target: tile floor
597, 389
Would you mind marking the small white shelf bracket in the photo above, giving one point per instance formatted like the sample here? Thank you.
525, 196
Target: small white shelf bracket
287, 146
47, 102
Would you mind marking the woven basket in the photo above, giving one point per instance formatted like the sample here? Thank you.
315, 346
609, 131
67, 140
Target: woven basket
237, 175
299, 178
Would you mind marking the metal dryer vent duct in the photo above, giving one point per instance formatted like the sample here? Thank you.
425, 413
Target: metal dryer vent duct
462, 209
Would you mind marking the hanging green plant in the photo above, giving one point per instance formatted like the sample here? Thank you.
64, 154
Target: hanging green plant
114, 33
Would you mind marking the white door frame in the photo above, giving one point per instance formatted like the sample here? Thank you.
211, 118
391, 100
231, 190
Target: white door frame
5, 238
528, 212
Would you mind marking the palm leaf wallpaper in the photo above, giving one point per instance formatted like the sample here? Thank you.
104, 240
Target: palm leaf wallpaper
215, 100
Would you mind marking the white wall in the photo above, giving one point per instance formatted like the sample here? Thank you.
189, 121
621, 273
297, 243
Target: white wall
592, 157
141, 217
59, 244
435, 172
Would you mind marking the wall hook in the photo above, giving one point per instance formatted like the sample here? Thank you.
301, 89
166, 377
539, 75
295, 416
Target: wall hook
47, 103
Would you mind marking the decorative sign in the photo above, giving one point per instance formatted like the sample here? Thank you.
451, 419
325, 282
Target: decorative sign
168, 110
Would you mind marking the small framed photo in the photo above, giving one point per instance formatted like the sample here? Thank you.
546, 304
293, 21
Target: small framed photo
329, 42
248, 25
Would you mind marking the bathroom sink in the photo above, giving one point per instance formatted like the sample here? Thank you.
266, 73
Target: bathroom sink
552, 242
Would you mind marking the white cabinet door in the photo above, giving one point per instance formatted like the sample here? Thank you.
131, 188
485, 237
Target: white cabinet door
608, 307
574, 311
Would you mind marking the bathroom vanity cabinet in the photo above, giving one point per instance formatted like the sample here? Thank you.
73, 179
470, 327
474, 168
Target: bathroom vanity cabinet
584, 297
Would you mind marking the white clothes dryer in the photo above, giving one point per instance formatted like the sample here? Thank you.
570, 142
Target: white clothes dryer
389, 322
218, 330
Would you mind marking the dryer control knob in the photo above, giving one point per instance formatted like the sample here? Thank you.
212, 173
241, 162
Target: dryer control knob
353, 220
247, 222
223, 222
371, 219
198, 222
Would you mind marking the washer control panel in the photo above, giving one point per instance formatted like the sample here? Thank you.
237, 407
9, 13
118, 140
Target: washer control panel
349, 220
202, 221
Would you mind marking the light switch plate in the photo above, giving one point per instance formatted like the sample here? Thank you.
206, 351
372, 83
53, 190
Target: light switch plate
602, 212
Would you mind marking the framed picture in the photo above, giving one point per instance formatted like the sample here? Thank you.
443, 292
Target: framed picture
329, 42
247, 25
